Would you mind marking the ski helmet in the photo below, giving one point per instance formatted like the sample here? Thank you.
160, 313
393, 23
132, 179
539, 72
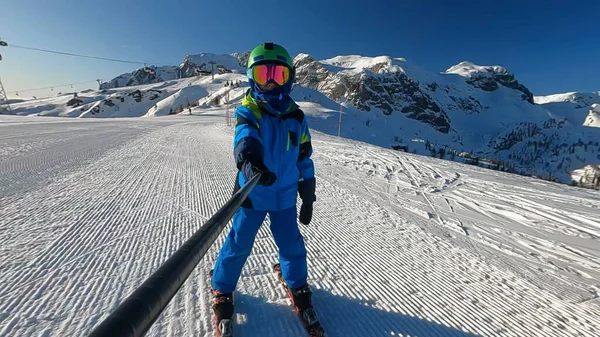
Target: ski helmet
270, 53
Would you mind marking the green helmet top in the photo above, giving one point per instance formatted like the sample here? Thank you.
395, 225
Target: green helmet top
269, 52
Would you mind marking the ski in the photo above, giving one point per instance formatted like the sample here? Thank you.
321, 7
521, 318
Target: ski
223, 327
308, 316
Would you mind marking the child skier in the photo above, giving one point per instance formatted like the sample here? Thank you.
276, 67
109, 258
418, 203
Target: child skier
271, 138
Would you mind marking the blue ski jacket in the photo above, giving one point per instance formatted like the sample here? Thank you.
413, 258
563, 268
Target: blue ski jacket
281, 141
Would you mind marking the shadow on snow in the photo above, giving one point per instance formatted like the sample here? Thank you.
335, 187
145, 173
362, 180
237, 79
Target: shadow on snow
340, 316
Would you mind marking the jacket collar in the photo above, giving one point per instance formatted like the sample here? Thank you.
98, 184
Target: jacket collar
274, 108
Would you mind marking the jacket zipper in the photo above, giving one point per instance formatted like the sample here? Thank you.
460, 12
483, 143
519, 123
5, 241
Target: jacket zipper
280, 156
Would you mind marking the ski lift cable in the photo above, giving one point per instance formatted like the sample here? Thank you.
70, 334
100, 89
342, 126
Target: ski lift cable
81, 55
50, 87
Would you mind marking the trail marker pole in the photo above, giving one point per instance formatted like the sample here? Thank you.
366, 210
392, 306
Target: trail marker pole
340, 121
4, 106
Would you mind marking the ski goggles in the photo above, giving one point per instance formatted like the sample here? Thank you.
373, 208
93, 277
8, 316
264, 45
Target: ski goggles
265, 73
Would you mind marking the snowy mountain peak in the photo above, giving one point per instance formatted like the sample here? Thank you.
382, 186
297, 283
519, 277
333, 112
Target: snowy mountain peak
576, 107
469, 69
581, 99
393, 85
357, 64
303, 59
204, 61
488, 78
372, 84
192, 65
593, 118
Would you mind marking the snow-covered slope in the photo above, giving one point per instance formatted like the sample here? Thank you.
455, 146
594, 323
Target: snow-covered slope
400, 245
157, 99
393, 85
203, 63
482, 110
593, 117
146, 75
572, 106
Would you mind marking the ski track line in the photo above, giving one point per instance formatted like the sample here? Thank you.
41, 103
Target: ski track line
517, 303
21, 172
384, 260
73, 232
527, 212
437, 212
156, 262
544, 211
126, 250
550, 284
19, 220
211, 186
388, 295
417, 182
51, 247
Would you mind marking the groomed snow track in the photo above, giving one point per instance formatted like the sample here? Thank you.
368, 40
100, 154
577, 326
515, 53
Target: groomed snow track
89, 209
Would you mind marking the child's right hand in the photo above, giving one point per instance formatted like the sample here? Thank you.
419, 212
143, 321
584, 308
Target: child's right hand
267, 178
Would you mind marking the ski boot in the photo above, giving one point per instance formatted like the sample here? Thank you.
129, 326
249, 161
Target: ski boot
222, 306
302, 301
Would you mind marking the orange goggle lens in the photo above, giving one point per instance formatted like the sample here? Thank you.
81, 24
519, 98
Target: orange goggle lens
264, 73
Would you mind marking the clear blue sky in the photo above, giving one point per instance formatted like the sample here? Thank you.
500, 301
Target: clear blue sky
552, 46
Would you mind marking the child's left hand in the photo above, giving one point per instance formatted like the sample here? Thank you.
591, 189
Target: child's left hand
306, 211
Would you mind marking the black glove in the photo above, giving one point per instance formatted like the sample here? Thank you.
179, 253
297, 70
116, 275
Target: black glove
306, 211
267, 177
306, 190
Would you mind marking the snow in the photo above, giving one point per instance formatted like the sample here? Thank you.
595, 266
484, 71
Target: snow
165, 73
573, 96
489, 124
156, 99
574, 106
593, 118
495, 114
467, 69
586, 174
181, 98
400, 244
202, 61
357, 63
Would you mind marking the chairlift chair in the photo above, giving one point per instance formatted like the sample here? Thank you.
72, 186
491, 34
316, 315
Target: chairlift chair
149, 70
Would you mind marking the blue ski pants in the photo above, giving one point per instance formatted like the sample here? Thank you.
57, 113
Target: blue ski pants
239, 242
